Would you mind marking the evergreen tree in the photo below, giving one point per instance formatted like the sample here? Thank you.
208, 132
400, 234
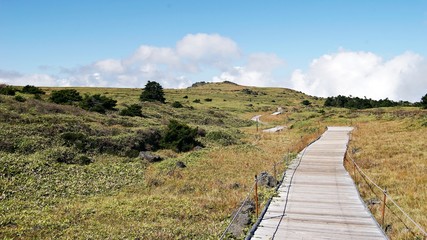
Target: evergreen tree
153, 91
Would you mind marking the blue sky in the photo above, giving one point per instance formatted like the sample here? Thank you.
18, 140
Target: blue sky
309, 44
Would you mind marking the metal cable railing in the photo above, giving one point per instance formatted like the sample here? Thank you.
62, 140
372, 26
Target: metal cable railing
387, 197
254, 187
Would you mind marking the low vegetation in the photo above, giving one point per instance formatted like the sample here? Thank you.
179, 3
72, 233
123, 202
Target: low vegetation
361, 103
65, 96
97, 103
66, 172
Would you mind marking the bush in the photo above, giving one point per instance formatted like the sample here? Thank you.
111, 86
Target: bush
179, 137
360, 103
97, 103
424, 101
147, 140
76, 139
222, 138
32, 90
20, 98
133, 110
65, 96
177, 104
68, 156
306, 103
7, 90
208, 99
153, 91
196, 101
185, 97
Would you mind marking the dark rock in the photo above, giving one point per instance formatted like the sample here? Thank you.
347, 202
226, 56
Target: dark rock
243, 220
150, 157
265, 179
373, 201
197, 148
180, 164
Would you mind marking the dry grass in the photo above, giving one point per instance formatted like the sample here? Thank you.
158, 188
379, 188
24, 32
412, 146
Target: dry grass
161, 201
393, 153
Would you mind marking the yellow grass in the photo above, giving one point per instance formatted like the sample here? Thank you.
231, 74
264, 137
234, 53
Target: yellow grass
393, 153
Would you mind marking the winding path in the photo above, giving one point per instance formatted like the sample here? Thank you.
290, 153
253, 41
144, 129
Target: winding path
318, 199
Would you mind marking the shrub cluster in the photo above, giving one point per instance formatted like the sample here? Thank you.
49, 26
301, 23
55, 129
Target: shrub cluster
424, 101
65, 96
361, 103
252, 92
32, 90
128, 144
306, 103
97, 103
7, 90
179, 137
222, 138
133, 110
177, 104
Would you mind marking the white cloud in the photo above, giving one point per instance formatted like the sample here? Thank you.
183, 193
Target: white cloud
109, 65
258, 71
14, 78
364, 74
207, 48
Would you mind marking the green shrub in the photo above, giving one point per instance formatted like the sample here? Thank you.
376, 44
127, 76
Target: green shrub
68, 156
76, 139
146, 140
196, 101
179, 137
306, 103
153, 91
424, 101
185, 97
97, 103
65, 96
32, 90
177, 104
208, 99
7, 90
20, 98
133, 110
222, 138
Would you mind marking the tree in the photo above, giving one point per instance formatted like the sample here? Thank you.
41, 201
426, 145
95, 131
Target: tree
97, 103
65, 96
424, 101
153, 91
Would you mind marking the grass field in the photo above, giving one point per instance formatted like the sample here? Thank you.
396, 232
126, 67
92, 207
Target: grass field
120, 196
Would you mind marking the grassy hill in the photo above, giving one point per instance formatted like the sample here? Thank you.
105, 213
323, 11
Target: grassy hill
69, 173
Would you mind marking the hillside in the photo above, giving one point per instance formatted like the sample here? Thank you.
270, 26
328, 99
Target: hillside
69, 173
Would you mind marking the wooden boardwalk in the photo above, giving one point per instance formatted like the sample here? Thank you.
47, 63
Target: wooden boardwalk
318, 199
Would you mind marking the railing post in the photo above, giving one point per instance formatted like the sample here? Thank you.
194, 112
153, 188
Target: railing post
354, 172
256, 196
275, 174
257, 124
383, 208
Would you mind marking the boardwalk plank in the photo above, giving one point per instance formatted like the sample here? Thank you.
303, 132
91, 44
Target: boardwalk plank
321, 199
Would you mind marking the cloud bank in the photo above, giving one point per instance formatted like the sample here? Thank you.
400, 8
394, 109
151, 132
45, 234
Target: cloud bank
364, 74
212, 57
